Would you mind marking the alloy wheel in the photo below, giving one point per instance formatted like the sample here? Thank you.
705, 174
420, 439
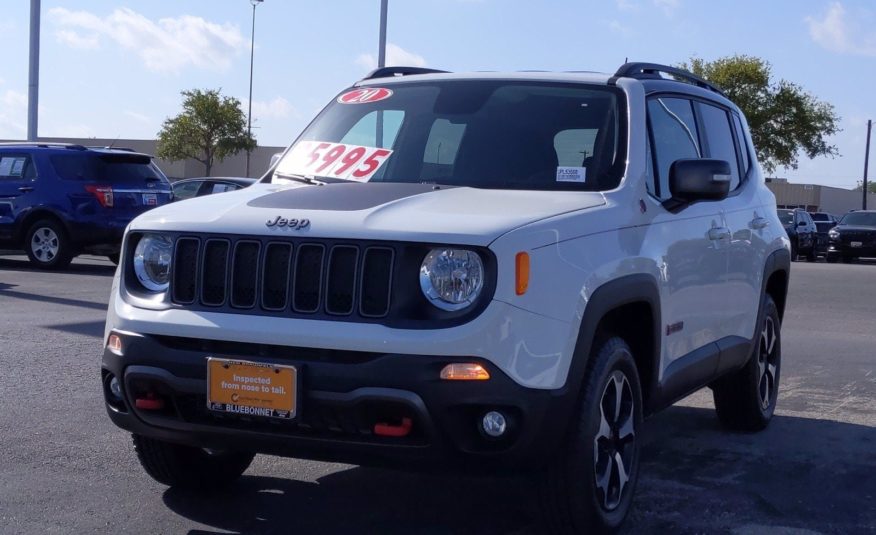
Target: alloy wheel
767, 358
45, 244
614, 447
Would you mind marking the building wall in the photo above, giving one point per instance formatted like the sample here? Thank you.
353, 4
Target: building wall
233, 166
816, 198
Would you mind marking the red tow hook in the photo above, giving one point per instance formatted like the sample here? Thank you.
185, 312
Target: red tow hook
149, 403
389, 430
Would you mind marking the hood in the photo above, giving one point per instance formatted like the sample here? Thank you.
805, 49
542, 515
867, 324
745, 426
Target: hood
376, 211
854, 228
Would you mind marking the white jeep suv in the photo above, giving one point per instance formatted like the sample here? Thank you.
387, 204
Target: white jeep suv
487, 271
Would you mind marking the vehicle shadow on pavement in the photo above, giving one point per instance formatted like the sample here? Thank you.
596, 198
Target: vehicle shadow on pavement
66, 301
800, 473
76, 268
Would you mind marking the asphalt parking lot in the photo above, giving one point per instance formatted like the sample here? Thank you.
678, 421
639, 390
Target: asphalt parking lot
65, 469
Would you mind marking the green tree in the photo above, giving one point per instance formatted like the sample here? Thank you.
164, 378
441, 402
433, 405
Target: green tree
871, 186
210, 128
784, 119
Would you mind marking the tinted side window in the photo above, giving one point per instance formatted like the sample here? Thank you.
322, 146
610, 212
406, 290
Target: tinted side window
716, 126
187, 190
675, 136
743, 145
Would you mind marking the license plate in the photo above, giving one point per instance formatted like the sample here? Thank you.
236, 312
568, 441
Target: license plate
150, 199
856, 244
252, 388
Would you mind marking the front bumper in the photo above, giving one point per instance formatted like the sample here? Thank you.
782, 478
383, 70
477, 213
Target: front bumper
343, 395
837, 248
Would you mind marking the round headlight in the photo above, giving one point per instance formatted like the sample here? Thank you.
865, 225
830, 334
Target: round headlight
452, 278
152, 261
833, 233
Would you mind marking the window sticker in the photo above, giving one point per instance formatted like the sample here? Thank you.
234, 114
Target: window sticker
571, 174
17, 167
365, 95
334, 160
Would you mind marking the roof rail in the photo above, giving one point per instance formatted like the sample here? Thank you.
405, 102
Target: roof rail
43, 144
388, 72
651, 71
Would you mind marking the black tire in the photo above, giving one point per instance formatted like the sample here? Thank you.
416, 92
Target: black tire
571, 499
794, 252
114, 258
745, 400
848, 259
831, 258
811, 256
47, 245
187, 467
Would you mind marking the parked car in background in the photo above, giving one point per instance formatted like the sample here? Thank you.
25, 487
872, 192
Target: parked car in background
59, 200
823, 223
198, 187
853, 237
801, 231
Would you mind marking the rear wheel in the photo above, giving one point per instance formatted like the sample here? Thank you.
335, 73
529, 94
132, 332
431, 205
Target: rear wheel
588, 486
745, 400
794, 251
176, 465
811, 256
48, 246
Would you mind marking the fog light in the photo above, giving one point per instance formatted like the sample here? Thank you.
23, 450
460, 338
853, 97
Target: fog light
494, 424
115, 388
114, 344
468, 371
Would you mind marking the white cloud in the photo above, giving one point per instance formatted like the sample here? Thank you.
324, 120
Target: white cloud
167, 45
627, 5
13, 114
668, 6
620, 29
75, 40
138, 116
277, 108
395, 55
838, 32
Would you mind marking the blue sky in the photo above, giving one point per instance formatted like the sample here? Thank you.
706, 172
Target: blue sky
115, 69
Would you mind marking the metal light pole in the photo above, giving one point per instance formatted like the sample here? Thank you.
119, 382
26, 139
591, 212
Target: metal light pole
251, 58
33, 84
867, 161
381, 47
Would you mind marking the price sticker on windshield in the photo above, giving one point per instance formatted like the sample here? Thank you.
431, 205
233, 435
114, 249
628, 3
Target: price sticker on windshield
334, 160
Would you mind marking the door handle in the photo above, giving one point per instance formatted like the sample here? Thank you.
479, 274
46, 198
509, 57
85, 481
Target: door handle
25, 189
719, 233
759, 222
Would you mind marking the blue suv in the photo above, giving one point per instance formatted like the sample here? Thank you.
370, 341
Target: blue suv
61, 200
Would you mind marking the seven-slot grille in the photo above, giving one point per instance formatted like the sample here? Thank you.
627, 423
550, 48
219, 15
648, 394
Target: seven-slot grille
296, 278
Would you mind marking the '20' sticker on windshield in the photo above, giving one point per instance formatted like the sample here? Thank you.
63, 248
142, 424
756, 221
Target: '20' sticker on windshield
335, 160
365, 95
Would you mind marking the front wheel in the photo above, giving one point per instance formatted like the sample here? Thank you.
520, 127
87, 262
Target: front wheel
588, 486
745, 400
176, 465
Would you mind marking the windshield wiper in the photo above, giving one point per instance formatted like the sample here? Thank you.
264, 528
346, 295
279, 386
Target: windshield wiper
300, 178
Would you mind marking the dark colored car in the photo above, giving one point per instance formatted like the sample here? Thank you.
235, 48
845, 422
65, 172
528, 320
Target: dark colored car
853, 237
198, 187
801, 231
61, 200
823, 222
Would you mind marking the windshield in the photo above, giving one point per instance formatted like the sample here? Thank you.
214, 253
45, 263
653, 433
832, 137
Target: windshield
786, 217
862, 219
486, 134
818, 216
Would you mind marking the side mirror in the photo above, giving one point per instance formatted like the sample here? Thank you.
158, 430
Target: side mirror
274, 159
700, 179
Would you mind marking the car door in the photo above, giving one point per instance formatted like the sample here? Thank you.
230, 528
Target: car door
745, 218
18, 184
692, 243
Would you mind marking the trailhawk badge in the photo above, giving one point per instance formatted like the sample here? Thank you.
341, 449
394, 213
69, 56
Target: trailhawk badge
294, 224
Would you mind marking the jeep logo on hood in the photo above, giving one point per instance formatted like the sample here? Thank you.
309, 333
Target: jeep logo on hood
294, 224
